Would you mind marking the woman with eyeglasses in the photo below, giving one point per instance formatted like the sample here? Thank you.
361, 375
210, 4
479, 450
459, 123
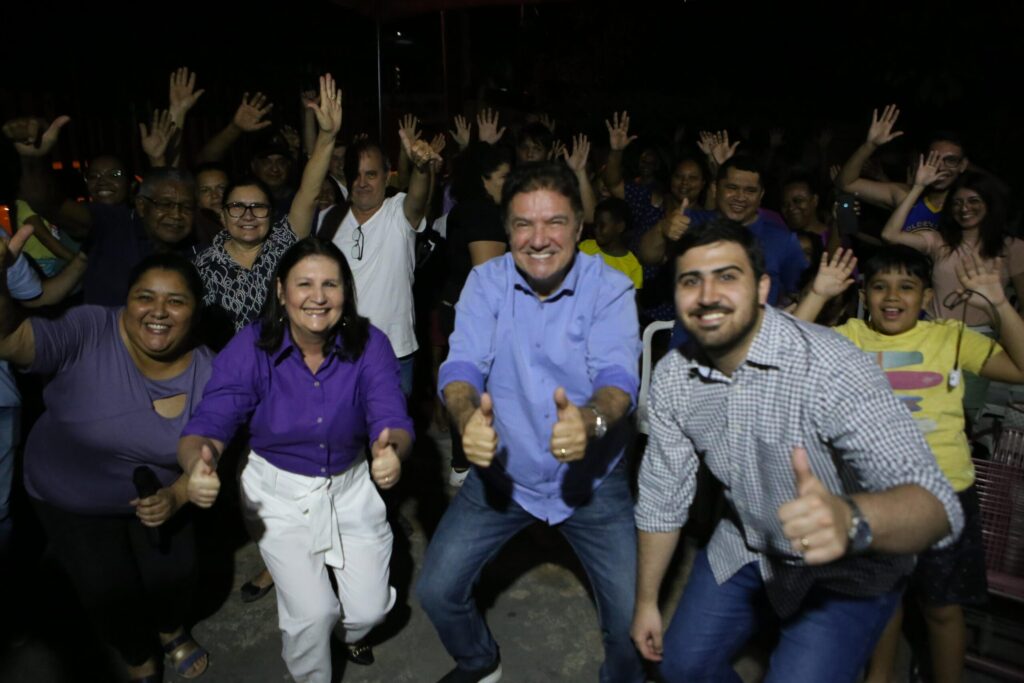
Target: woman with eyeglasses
972, 226
238, 267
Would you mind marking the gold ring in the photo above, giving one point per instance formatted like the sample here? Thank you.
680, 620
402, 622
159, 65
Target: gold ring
562, 452
804, 543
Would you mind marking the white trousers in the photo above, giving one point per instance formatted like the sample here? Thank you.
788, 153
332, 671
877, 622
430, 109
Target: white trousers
305, 526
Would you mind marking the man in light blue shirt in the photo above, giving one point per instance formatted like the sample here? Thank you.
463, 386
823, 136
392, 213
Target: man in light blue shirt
542, 371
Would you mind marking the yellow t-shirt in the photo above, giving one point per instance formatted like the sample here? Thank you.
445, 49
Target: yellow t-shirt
917, 364
624, 264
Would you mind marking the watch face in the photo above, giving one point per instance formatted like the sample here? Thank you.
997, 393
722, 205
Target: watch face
860, 539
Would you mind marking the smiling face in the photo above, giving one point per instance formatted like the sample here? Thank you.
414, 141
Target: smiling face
969, 208
799, 206
952, 162
368, 187
107, 181
247, 229
543, 230
157, 317
718, 300
895, 300
687, 182
312, 296
739, 195
272, 169
210, 186
167, 213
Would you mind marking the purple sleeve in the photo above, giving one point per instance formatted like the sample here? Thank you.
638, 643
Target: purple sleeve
794, 264
61, 342
380, 386
233, 392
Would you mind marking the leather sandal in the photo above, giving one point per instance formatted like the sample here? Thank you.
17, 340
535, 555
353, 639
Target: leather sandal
181, 658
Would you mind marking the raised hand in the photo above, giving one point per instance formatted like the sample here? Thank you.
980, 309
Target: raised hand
487, 124
386, 468
410, 124
159, 134
419, 152
437, 144
982, 277
462, 132
249, 115
328, 109
203, 482
577, 161
618, 131
182, 94
928, 169
156, 509
705, 141
11, 249
479, 440
557, 150
835, 274
25, 134
881, 130
291, 138
816, 522
569, 434
547, 122
678, 224
721, 150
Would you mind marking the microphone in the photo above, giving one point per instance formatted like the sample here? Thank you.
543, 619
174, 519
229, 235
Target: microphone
146, 485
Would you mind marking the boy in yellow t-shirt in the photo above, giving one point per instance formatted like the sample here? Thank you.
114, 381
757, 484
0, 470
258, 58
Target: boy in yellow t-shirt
611, 217
924, 362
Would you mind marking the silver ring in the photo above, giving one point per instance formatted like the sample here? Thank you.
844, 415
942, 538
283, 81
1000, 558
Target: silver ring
804, 543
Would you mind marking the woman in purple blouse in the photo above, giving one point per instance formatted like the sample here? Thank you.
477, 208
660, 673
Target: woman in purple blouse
319, 388
100, 463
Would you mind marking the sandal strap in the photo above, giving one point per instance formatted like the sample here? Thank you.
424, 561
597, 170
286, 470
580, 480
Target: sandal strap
172, 645
184, 662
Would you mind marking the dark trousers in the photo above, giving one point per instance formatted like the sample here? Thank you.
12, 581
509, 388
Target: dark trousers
130, 587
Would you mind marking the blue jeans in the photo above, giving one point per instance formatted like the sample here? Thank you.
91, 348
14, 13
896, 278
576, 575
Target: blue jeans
472, 532
829, 639
406, 366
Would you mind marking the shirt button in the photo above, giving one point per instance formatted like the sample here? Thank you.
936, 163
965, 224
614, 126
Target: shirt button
319, 420
316, 384
321, 446
323, 469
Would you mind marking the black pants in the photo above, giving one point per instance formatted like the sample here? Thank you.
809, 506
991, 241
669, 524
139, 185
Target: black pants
131, 588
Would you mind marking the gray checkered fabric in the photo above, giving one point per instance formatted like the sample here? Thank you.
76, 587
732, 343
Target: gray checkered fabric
801, 385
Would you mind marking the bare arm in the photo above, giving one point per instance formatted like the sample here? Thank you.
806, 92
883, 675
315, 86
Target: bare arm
420, 153
577, 162
462, 401
46, 238
893, 233
17, 342
618, 139
886, 195
835, 275
248, 119
654, 552
328, 116
58, 287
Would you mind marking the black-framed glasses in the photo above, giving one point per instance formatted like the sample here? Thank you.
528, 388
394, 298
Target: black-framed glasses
166, 207
950, 161
99, 175
238, 209
357, 246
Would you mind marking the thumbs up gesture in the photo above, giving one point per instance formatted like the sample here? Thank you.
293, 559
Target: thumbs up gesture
479, 440
816, 522
203, 482
569, 435
386, 468
678, 224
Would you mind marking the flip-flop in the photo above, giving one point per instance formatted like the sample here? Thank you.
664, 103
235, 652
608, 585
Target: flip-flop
183, 662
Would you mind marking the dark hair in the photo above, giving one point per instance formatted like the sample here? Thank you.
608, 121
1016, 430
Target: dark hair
210, 166
721, 229
701, 165
356, 151
617, 208
542, 175
893, 258
802, 177
947, 136
741, 162
176, 263
992, 235
166, 174
249, 181
352, 331
817, 249
537, 132
478, 161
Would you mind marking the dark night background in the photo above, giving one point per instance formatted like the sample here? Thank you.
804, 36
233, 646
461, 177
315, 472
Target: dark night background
745, 66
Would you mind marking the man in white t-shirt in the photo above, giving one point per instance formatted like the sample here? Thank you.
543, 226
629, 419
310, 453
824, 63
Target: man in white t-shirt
378, 237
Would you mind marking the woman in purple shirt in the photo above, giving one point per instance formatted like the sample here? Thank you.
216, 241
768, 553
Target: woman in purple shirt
317, 384
100, 463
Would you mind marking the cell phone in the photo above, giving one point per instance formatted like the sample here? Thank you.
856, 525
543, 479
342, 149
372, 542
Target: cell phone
846, 215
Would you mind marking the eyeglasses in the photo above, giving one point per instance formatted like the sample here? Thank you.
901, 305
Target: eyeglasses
968, 201
238, 209
950, 161
167, 207
99, 175
357, 247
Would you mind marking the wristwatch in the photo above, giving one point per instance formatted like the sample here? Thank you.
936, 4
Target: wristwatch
860, 535
600, 424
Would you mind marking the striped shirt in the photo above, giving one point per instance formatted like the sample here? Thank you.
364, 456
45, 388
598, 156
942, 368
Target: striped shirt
800, 385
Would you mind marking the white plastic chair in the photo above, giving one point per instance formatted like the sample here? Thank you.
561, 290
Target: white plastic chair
642, 424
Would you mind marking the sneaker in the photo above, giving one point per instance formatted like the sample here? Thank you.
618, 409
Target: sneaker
457, 476
491, 674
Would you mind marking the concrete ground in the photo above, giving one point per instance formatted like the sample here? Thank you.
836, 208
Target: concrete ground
534, 595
